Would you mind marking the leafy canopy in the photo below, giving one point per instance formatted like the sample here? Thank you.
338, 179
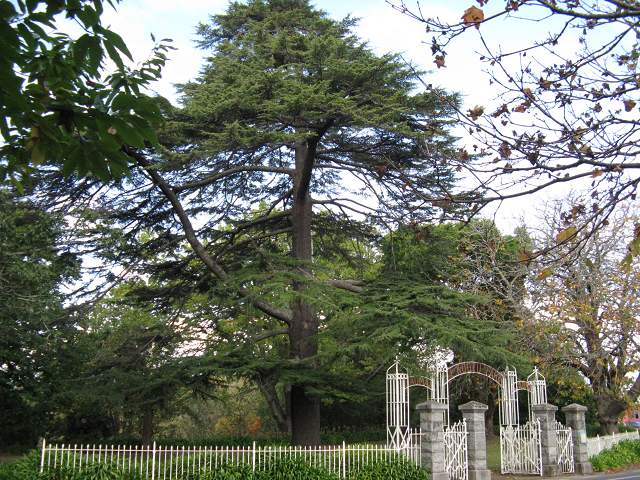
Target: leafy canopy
55, 105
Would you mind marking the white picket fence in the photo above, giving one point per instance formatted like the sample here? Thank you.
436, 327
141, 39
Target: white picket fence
169, 463
598, 444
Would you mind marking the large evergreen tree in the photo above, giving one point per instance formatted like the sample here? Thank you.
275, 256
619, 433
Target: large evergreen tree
34, 324
293, 128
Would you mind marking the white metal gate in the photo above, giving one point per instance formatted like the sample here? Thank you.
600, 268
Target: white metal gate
521, 448
565, 448
455, 451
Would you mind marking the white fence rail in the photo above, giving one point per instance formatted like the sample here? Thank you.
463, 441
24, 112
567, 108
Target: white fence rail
598, 444
169, 463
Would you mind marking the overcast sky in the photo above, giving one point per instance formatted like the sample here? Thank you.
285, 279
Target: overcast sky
386, 30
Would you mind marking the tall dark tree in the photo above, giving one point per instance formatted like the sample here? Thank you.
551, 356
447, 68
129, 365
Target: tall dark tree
133, 364
293, 126
33, 323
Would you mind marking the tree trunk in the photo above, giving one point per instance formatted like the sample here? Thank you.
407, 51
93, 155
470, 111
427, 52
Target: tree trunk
147, 427
488, 414
303, 330
268, 389
609, 410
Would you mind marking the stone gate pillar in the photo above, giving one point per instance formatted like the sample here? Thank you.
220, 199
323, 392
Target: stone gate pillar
432, 425
473, 413
576, 420
546, 413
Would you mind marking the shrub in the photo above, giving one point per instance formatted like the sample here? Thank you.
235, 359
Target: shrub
626, 428
27, 468
392, 470
625, 453
294, 470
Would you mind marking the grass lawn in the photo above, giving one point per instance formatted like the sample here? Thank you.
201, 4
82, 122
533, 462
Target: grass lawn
6, 457
493, 454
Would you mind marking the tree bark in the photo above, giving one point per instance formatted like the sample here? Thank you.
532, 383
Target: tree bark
488, 414
609, 410
147, 427
268, 389
303, 330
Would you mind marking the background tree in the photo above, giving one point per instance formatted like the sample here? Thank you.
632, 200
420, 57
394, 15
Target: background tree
294, 115
133, 365
34, 324
586, 309
477, 262
563, 115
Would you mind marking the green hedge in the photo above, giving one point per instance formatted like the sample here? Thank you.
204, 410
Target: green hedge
623, 454
28, 469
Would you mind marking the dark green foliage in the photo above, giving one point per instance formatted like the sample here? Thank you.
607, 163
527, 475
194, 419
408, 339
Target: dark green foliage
228, 472
626, 428
56, 107
29, 469
625, 453
294, 470
34, 326
394, 470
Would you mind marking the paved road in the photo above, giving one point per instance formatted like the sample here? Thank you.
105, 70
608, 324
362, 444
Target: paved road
633, 474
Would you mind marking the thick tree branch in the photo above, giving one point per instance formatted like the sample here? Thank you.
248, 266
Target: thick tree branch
350, 285
198, 248
227, 173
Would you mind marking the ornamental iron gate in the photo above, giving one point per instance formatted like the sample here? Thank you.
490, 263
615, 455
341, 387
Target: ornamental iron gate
455, 451
398, 428
521, 448
520, 445
565, 448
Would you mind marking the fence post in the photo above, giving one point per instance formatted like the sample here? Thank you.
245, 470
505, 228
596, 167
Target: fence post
575, 415
344, 459
153, 461
432, 450
473, 413
545, 412
44, 442
253, 459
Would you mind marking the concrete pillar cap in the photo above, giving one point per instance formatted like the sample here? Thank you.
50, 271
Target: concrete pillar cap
467, 407
574, 407
432, 405
544, 407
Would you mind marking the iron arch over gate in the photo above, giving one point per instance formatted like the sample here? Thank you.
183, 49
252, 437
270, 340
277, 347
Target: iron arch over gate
436, 381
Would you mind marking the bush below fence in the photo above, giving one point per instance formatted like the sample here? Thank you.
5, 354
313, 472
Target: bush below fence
621, 455
170, 463
599, 444
29, 469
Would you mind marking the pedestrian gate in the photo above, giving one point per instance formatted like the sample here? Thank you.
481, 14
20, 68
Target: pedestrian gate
521, 448
565, 448
455, 451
